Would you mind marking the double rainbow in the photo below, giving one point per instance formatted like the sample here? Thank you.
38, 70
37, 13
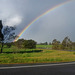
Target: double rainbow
45, 13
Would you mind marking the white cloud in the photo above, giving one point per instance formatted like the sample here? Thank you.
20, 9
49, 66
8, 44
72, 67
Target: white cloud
10, 12
14, 20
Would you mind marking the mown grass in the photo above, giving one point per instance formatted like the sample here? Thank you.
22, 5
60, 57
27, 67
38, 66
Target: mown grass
35, 56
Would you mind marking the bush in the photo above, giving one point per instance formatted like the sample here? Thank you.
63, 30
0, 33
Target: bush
30, 44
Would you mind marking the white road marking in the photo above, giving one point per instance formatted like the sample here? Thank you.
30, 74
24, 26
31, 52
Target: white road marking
37, 65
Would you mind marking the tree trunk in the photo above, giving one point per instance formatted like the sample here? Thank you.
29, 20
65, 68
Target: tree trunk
2, 48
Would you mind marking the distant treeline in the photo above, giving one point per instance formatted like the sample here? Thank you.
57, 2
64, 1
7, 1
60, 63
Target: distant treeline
66, 44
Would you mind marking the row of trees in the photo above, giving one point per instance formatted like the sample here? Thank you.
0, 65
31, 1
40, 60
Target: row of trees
45, 43
66, 44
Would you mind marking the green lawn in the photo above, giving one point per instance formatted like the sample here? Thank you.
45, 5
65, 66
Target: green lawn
35, 56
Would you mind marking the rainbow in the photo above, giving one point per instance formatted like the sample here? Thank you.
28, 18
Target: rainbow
45, 13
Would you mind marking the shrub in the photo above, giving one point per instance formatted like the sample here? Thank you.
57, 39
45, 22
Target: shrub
30, 44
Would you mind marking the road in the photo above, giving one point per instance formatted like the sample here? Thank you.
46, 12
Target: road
40, 69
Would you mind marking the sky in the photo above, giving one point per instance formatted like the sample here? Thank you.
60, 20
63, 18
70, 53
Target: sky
55, 25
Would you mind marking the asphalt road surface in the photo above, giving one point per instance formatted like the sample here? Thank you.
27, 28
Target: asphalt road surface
41, 69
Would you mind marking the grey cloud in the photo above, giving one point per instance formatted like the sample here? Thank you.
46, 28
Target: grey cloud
22, 12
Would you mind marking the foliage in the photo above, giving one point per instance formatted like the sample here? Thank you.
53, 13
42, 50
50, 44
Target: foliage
56, 44
19, 43
66, 43
29, 44
7, 34
45, 43
49, 43
73, 45
22, 43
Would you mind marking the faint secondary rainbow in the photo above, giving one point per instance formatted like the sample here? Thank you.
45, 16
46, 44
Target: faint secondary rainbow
45, 13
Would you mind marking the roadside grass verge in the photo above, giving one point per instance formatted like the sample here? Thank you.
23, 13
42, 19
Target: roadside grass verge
35, 56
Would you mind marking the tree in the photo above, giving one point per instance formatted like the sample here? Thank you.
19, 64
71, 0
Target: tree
30, 44
56, 44
45, 43
1, 35
19, 43
7, 34
66, 43
50, 43
73, 45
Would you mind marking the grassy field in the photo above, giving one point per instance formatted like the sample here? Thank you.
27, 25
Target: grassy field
35, 56
43, 46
